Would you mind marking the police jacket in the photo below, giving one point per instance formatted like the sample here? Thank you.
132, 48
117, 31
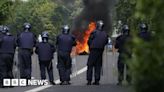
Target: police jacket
45, 51
65, 42
146, 36
98, 39
26, 40
123, 43
1, 37
8, 44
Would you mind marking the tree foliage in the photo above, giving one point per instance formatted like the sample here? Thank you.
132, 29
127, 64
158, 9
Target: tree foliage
4, 10
38, 13
147, 63
44, 15
148, 59
124, 10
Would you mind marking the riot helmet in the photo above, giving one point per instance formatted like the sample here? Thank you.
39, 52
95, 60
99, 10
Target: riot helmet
143, 27
45, 36
100, 25
5, 30
125, 30
65, 29
27, 26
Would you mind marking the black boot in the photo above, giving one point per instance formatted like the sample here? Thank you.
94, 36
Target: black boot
119, 83
89, 83
52, 83
96, 83
63, 83
68, 83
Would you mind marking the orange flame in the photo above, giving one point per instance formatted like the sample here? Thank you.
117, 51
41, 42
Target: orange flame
83, 46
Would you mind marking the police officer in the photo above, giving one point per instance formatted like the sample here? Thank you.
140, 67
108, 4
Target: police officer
1, 38
65, 42
26, 41
7, 50
45, 52
121, 44
97, 42
144, 34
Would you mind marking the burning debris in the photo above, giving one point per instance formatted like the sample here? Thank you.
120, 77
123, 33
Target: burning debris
82, 46
93, 11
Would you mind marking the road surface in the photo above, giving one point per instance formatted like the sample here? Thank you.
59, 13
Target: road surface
78, 81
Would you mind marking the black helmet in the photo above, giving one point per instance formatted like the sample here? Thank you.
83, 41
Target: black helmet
125, 30
5, 29
44, 34
100, 25
27, 26
143, 27
65, 29
1, 28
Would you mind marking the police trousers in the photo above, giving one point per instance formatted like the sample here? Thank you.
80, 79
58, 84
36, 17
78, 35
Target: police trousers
94, 62
121, 65
6, 66
64, 65
46, 65
25, 61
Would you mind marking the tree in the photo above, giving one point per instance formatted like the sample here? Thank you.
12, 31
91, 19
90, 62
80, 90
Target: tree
124, 10
146, 65
38, 13
4, 10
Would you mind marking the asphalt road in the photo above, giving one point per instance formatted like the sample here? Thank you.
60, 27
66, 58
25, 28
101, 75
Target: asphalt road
78, 81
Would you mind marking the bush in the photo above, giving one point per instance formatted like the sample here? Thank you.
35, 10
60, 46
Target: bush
147, 64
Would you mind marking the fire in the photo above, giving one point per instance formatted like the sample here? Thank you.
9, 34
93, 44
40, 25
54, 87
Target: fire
82, 46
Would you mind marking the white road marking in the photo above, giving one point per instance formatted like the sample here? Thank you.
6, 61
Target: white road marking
57, 81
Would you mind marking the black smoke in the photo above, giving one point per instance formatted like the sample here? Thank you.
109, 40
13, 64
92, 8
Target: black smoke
94, 10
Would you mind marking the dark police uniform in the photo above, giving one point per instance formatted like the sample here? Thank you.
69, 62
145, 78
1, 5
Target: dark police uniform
121, 42
45, 53
144, 34
1, 29
26, 41
97, 42
1, 37
64, 43
7, 50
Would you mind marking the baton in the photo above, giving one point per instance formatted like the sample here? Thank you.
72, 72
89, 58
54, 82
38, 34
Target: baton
75, 67
125, 72
16, 65
124, 82
49, 66
73, 55
102, 68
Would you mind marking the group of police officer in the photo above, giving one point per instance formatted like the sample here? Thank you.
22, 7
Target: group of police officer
125, 51
26, 41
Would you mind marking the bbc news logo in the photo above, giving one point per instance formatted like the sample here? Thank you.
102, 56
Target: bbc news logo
24, 82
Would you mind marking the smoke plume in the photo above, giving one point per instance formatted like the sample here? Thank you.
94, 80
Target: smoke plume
93, 11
